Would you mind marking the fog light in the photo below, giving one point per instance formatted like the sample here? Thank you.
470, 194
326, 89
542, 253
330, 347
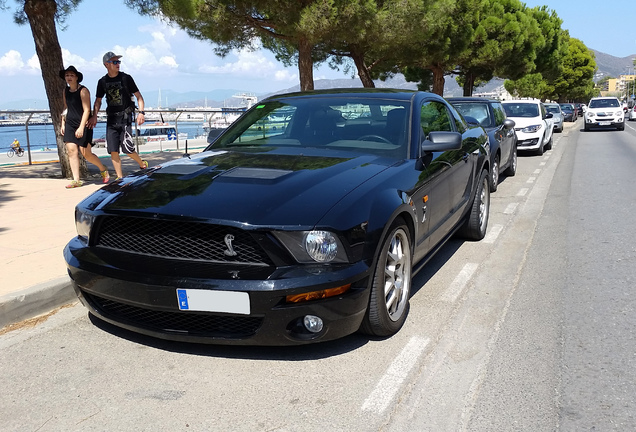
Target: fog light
313, 323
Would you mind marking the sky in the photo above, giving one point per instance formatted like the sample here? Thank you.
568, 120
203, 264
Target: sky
160, 56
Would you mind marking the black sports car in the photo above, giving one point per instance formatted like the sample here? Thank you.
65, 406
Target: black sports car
489, 113
302, 222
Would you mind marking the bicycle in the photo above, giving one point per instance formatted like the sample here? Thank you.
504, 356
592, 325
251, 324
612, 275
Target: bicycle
19, 151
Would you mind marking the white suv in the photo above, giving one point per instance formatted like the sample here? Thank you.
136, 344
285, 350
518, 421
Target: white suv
604, 112
533, 124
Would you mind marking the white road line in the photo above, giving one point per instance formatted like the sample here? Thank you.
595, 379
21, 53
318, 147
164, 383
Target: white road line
493, 233
537, 171
394, 377
459, 283
531, 180
542, 164
510, 208
522, 192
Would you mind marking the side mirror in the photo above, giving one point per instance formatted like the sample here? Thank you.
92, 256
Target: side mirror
548, 115
441, 141
509, 123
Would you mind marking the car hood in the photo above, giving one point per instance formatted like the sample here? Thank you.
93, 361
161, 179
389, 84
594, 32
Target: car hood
260, 189
521, 122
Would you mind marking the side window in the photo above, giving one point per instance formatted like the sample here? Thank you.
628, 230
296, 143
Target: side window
500, 115
435, 117
543, 113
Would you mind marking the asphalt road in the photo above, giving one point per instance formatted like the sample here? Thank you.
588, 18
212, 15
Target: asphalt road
532, 329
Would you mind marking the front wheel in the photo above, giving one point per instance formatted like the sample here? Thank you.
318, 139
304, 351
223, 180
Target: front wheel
10, 153
475, 226
391, 287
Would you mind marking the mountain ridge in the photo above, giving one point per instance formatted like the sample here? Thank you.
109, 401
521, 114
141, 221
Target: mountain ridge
606, 65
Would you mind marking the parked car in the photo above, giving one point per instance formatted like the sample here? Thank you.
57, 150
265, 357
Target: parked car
603, 113
533, 124
568, 112
632, 113
490, 115
579, 109
557, 115
301, 234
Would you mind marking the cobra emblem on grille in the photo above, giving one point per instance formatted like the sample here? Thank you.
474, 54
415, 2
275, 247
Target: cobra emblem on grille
229, 238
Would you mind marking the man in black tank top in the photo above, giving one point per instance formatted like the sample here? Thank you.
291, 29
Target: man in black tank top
77, 107
118, 87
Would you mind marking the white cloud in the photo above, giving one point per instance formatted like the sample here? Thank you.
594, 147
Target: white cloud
11, 63
250, 64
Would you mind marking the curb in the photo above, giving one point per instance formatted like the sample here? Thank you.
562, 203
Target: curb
36, 300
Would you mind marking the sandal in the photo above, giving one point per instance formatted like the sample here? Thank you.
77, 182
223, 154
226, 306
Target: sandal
74, 184
144, 164
105, 176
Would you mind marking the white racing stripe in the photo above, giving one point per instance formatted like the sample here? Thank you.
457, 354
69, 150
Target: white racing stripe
459, 283
394, 377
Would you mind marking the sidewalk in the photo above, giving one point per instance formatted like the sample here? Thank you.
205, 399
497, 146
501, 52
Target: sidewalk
36, 222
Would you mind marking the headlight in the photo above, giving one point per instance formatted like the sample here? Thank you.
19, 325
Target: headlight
83, 223
531, 129
321, 246
316, 246
619, 113
589, 114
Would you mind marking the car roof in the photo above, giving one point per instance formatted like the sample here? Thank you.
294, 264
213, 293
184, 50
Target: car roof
535, 101
401, 94
470, 99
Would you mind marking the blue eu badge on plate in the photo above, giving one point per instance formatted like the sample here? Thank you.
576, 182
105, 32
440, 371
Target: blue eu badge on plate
182, 295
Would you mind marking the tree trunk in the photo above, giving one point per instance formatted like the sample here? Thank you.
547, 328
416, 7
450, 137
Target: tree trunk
469, 83
41, 15
305, 65
438, 79
363, 71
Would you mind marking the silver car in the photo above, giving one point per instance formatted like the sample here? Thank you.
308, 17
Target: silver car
557, 115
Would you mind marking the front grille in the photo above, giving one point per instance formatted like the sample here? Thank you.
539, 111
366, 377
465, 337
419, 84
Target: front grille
180, 240
190, 323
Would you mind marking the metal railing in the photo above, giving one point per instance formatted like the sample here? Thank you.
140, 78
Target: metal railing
170, 116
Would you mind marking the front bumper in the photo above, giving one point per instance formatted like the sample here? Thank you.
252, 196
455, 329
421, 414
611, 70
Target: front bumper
147, 303
604, 122
529, 141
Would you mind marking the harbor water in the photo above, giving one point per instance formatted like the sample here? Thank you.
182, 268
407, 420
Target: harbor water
42, 137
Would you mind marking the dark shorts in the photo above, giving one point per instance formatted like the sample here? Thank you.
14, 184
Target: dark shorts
119, 135
84, 141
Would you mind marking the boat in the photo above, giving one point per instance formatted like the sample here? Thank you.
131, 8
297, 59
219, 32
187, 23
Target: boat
159, 131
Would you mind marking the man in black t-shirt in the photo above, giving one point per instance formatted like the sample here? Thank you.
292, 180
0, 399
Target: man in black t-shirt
119, 88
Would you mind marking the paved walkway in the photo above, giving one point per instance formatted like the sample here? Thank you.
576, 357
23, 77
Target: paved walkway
36, 222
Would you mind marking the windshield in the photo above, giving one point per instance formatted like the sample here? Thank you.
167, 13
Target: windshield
553, 109
604, 103
477, 110
521, 109
369, 125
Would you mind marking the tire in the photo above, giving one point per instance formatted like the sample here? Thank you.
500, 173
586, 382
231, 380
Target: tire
10, 153
540, 150
512, 168
586, 128
548, 146
494, 174
391, 285
621, 127
20, 152
477, 222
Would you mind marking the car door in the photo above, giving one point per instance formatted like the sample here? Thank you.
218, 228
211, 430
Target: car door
444, 171
505, 136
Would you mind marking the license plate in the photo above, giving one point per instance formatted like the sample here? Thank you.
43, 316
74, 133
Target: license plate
213, 301
604, 123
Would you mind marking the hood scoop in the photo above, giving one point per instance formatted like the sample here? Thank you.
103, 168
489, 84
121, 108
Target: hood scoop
241, 173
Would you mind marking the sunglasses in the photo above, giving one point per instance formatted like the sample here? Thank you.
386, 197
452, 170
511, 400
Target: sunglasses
115, 62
